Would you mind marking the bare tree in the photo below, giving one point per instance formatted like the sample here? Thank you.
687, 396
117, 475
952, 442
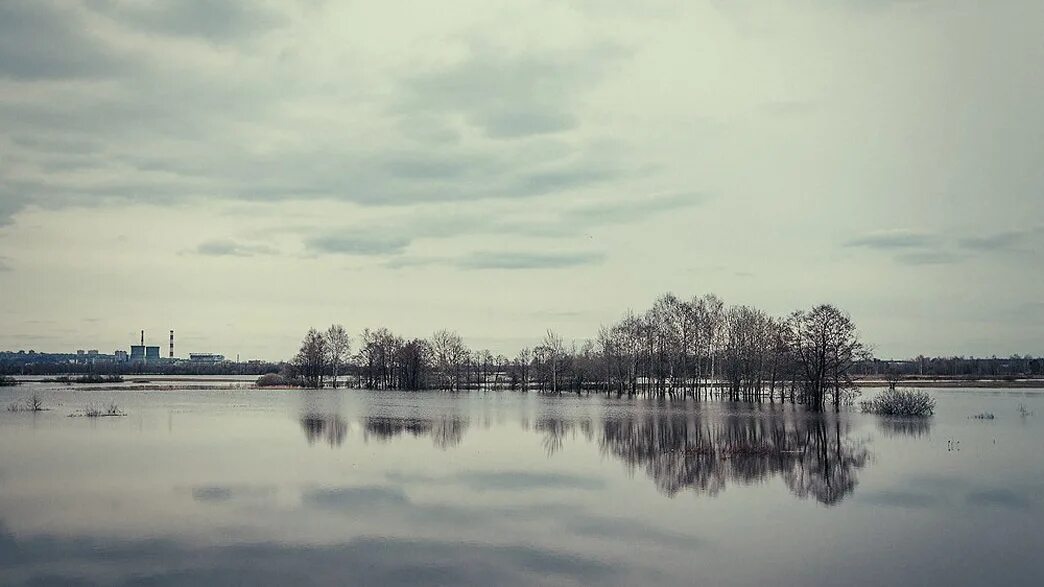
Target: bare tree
450, 355
554, 352
338, 345
825, 346
522, 362
310, 361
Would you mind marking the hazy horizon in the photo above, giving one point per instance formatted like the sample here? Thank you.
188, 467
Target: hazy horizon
243, 171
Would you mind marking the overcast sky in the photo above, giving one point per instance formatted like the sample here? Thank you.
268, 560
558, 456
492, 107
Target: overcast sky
242, 170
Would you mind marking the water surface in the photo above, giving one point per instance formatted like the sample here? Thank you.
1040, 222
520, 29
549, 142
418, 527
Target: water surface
347, 487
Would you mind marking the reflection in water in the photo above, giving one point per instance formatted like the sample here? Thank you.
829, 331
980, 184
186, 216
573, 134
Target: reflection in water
915, 427
813, 454
329, 427
691, 450
555, 431
446, 431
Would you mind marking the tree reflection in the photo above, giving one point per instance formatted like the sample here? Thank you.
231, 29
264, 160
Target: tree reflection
446, 431
555, 431
693, 451
329, 427
914, 427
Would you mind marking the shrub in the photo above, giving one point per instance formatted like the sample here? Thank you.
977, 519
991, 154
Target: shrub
272, 380
900, 402
91, 411
32, 403
96, 378
6, 381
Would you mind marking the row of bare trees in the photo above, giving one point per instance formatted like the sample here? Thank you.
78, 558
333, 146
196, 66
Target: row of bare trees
695, 348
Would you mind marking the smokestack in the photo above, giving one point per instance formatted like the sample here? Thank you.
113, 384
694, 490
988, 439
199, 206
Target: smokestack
142, 338
172, 344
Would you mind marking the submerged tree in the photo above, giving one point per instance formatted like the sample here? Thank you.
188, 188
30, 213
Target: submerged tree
338, 344
825, 345
311, 361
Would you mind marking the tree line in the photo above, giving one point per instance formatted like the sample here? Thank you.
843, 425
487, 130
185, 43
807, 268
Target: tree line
679, 348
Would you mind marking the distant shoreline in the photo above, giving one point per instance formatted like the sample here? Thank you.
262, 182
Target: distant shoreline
936, 382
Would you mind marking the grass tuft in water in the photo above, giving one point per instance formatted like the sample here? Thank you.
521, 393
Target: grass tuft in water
900, 402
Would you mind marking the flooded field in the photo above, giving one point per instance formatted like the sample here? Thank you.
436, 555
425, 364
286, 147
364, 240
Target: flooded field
498, 488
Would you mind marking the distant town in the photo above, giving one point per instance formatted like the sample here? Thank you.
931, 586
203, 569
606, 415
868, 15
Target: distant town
139, 358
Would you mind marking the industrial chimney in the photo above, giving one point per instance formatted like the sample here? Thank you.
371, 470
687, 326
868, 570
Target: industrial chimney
172, 344
142, 338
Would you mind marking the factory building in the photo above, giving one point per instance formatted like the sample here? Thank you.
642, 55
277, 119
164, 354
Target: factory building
206, 357
143, 353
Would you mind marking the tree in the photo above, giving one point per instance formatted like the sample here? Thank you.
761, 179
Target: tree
825, 346
450, 354
553, 351
522, 363
338, 344
311, 359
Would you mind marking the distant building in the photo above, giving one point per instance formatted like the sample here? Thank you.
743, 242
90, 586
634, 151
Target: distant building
121, 356
137, 352
92, 352
152, 353
206, 357
80, 352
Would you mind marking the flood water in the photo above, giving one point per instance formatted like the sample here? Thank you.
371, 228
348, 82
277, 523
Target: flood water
253, 487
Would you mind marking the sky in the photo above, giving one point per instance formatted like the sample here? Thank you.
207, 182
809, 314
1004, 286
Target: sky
241, 170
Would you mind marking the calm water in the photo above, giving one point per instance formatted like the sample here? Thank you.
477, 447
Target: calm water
252, 487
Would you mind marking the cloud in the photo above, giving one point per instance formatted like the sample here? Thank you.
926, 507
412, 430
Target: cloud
517, 260
358, 244
1001, 241
47, 40
220, 21
512, 95
230, 248
566, 220
928, 258
893, 239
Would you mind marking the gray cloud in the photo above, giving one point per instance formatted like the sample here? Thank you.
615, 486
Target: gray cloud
357, 244
893, 239
518, 260
563, 221
47, 40
921, 248
218, 21
928, 258
172, 131
230, 248
1003, 240
511, 96
509, 261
